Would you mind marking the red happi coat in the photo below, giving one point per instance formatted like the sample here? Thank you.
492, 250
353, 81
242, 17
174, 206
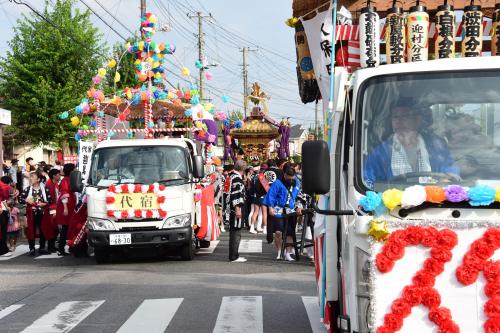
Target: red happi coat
65, 193
31, 233
4, 195
50, 228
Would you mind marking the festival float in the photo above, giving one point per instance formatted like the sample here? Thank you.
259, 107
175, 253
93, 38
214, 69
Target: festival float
407, 224
143, 153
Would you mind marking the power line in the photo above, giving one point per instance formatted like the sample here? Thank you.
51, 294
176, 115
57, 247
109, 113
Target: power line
103, 21
114, 17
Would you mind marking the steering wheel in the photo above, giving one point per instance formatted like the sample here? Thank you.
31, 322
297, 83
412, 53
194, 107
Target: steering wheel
440, 176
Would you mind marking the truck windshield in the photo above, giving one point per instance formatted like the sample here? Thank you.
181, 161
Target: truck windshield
145, 165
436, 128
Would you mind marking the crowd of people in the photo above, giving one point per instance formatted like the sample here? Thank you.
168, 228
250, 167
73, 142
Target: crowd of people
37, 203
261, 199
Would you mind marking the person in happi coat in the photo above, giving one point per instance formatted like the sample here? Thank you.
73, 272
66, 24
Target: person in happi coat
4, 216
37, 199
235, 201
66, 203
50, 229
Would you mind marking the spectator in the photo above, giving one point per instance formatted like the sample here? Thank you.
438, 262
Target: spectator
58, 165
37, 199
26, 170
51, 229
13, 226
219, 183
66, 203
235, 202
13, 171
4, 221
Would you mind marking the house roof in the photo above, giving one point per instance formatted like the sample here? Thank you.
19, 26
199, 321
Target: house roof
296, 131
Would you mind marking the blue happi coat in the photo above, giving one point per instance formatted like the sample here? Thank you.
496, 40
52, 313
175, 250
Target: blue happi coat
281, 199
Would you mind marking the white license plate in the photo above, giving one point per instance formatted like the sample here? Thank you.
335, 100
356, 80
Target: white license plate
120, 239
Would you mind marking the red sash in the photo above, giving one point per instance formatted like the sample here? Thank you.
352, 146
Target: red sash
264, 182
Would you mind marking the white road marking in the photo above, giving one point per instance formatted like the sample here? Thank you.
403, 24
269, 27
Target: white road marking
64, 317
240, 314
250, 246
152, 316
210, 249
312, 309
20, 250
8, 310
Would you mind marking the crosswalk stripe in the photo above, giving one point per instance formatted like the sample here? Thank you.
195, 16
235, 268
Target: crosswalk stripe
64, 317
210, 249
240, 314
49, 256
312, 309
20, 250
250, 246
152, 316
8, 310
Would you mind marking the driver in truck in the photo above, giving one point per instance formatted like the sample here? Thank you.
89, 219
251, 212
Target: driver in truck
410, 149
114, 171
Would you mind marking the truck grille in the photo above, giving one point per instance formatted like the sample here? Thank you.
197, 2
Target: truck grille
139, 229
133, 220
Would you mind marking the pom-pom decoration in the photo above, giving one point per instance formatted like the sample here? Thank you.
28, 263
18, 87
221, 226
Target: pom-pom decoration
112, 63
198, 64
225, 99
185, 71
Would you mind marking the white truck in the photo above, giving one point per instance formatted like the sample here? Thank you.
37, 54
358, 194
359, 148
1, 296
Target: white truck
141, 195
452, 109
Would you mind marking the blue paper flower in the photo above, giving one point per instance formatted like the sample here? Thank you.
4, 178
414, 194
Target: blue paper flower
188, 113
238, 124
77, 137
151, 124
93, 123
371, 201
226, 99
227, 122
64, 115
195, 100
79, 109
481, 195
111, 134
130, 135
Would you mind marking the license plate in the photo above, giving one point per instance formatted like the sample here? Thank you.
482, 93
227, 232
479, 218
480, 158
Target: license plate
120, 239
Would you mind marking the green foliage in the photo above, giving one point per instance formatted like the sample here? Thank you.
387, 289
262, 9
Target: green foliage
296, 159
48, 70
235, 115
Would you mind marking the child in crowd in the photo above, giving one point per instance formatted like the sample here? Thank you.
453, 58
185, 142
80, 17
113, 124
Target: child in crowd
13, 227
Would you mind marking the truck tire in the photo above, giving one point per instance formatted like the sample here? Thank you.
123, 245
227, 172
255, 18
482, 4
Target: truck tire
101, 256
187, 251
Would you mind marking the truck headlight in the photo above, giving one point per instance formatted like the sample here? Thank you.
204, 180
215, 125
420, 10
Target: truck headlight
99, 224
178, 221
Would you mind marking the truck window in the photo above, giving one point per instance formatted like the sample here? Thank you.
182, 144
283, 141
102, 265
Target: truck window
141, 164
429, 128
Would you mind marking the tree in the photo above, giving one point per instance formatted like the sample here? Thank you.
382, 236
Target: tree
125, 66
48, 70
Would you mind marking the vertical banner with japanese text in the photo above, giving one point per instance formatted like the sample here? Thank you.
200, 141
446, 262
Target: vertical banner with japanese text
84, 156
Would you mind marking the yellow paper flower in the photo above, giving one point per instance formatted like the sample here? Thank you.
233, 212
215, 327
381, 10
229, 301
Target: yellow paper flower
117, 77
292, 22
208, 106
141, 45
185, 71
198, 124
112, 63
101, 72
75, 121
378, 230
392, 198
497, 195
129, 94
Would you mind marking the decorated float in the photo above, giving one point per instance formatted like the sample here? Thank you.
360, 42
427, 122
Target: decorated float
404, 246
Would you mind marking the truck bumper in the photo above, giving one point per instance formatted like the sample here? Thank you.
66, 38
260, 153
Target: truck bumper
151, 238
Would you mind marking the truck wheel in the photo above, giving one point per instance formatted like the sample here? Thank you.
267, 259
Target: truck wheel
101, 256
187, 251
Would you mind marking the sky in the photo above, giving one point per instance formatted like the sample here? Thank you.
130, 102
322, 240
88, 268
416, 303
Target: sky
258, 24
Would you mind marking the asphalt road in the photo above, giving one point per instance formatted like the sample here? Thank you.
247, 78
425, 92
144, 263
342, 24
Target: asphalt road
148, 294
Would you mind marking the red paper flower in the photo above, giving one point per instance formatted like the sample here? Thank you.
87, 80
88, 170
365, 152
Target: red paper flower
429, 236
413, 235
124, 188
160, 200
384, 329
482, 249
492, 289
448, 326
162, 213
138, 213
431, 298
110, 213
492, 325
124, 214
151, 188
161, 187
433, 266
110, 200
492, 236
439, 316
112, 188
492, 307
472, 261
447, 239
393, 250
412, 295
491, 270
466, 275
137, 188
423, 279
393, 322
399, 237
400, 307
149, 213
383, 263
441, 254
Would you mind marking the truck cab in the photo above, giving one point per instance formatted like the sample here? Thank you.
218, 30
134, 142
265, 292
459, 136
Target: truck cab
430, 124
141, 195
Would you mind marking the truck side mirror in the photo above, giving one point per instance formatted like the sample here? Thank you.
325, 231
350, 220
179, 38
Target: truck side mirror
75, 181
198, 170
315, 167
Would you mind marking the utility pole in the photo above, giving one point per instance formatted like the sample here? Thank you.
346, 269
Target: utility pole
245, 51
201, 47
143, 8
